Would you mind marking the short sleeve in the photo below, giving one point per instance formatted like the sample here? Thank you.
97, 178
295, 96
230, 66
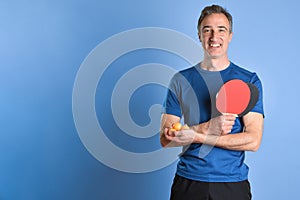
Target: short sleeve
259, 105
172, 103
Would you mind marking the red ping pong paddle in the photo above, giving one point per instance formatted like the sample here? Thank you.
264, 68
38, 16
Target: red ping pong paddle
236, 97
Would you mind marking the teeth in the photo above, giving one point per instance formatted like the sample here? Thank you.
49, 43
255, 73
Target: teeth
215, 45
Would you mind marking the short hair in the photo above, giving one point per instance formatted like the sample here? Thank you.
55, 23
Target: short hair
215, 9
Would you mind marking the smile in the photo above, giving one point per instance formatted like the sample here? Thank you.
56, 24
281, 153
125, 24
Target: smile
215, 45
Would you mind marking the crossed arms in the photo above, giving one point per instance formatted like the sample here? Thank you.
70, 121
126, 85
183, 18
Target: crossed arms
215, 132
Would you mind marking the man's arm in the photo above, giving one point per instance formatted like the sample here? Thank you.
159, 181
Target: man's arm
216, 126
215, 133
248, 140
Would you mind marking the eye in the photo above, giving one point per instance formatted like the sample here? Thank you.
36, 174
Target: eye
222, 30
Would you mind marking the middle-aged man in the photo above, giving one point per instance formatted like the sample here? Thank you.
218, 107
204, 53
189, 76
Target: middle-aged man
211, 165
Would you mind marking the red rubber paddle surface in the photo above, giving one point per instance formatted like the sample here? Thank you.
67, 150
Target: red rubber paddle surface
233, 97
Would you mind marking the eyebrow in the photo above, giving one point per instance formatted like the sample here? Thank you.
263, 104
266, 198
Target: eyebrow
224, 27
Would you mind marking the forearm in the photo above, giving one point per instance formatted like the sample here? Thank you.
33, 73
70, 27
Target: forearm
248, 140
215, 133
238, 141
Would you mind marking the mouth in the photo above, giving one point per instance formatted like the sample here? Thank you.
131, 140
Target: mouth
215, 45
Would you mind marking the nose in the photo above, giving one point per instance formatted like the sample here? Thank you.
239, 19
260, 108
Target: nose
213, 36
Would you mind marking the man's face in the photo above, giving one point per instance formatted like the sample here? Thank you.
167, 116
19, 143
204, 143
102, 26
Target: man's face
215, 35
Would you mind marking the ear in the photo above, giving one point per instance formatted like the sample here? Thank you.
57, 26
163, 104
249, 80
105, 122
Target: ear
230, 36
199, 36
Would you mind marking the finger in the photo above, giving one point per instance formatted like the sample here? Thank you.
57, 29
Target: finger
168, 132
228, 116
227, 123
226, 131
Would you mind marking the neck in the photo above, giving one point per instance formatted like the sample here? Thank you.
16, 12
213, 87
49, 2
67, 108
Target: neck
215, 64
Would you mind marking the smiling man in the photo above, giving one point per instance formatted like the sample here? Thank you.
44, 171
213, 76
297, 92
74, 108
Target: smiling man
211, 166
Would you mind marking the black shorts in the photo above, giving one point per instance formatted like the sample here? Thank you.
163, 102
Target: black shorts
185, 189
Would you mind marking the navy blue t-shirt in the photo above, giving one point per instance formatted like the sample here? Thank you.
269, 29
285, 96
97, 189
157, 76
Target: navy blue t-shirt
191, 96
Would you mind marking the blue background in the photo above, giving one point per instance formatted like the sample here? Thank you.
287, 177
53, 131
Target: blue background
42, 45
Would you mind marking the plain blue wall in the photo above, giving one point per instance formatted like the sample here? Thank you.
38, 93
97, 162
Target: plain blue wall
42, 45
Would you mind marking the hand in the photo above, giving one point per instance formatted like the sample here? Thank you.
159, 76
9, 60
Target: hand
179, 138
221, 125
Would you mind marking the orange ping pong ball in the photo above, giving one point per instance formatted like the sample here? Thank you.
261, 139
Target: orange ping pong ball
177, 126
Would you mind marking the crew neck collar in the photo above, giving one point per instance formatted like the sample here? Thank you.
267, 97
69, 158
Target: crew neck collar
201, 70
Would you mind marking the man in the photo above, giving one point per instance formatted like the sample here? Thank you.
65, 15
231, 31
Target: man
211, 165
